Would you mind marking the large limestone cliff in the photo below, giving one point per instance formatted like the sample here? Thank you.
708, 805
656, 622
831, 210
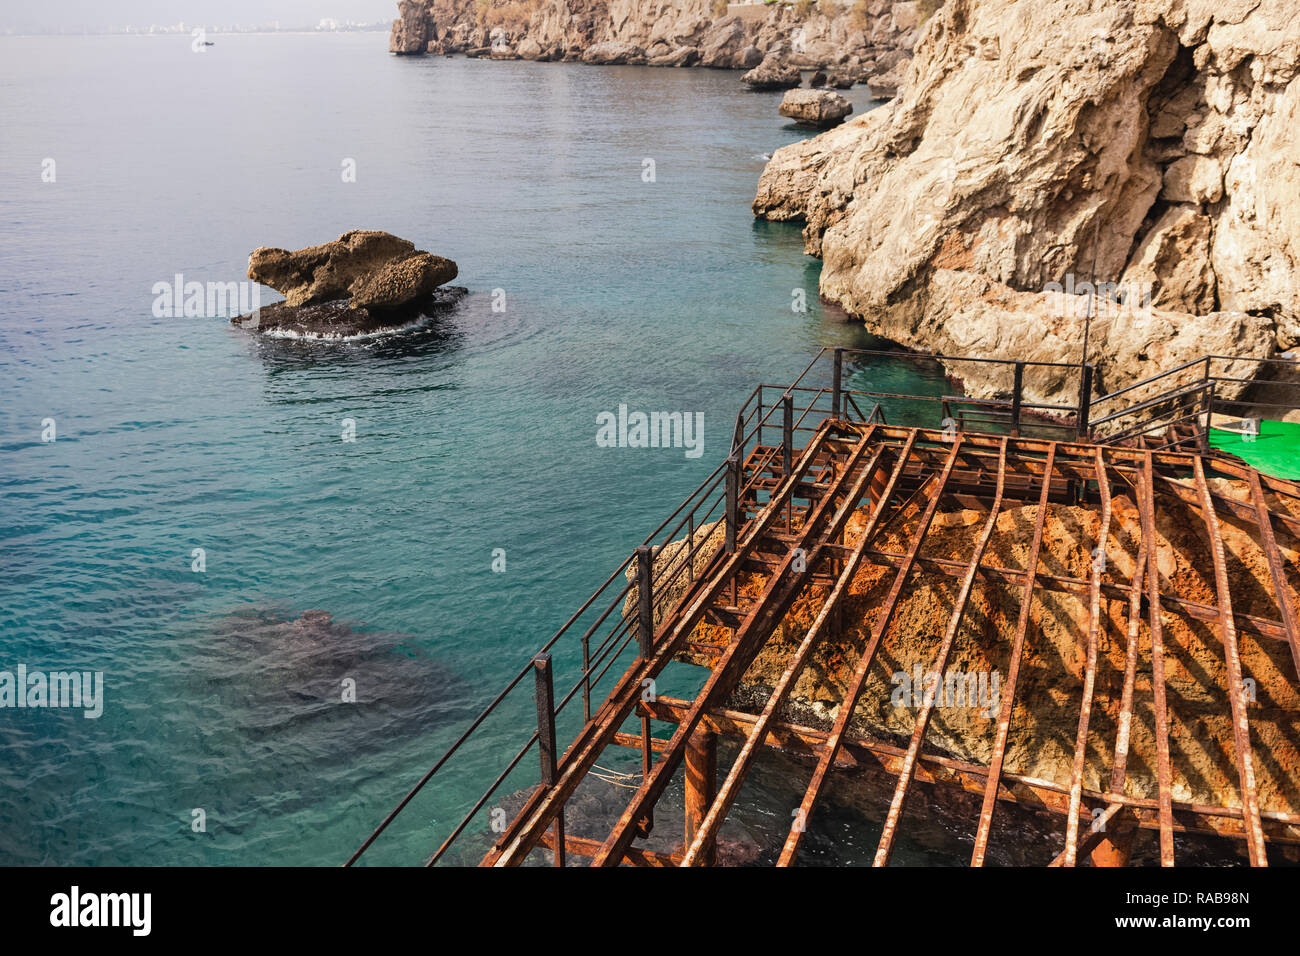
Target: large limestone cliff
862, 37
1151, 146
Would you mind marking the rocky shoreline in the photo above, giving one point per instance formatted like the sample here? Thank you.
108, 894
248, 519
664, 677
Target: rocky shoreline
864, 40
1041, 152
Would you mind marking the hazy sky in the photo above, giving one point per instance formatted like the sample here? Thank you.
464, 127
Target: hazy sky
47, 14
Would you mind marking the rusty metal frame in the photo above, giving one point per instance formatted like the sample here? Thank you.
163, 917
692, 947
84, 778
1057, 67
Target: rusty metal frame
966, 462
779, 506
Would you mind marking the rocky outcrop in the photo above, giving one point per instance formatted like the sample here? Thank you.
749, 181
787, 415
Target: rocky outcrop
864, 36
722, 43
817, 108
412, 29
363, 280
1144, 149
773, 74
681, 56
614, 53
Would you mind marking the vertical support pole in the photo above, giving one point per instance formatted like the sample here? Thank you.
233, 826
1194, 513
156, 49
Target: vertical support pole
787, 436
1017, 396
1085, 401
645, 599
733, 501
758, 437
646, 616
1115, 849
837, 375
787, 453
738, 435
701, 787
1204, 438
546, 739
586, 677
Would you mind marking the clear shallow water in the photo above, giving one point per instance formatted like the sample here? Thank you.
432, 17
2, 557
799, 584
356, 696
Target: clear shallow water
473, 434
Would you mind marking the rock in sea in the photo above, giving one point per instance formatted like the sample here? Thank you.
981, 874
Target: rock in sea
773, 74
361, 282
818, 108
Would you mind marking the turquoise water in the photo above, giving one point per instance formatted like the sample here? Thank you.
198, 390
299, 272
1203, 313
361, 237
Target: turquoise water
472, 434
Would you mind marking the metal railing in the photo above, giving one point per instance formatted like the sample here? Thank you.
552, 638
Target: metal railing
1179, 405
829, 381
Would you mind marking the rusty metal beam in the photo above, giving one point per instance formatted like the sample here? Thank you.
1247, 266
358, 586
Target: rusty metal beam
1164, 773
1013, 673
637, 856
886, 845
1282, 589
1123, 731
811, 795
1236, 686
1090, 670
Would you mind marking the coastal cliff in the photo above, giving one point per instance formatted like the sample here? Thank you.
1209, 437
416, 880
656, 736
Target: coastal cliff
1148, 147
866, 38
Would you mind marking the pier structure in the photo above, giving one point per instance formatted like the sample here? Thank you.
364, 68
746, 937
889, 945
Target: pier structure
828, 533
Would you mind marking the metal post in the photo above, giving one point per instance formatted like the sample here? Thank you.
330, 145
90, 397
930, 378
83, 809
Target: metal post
1085, 402
739, 434
1203, 439
701, 787
546, 739
645, 598
1115, 849
787, 436
837, 375
1017, 395
759, 435
586, 677
733, 504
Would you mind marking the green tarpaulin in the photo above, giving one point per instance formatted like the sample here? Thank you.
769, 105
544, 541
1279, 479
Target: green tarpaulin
1274, 451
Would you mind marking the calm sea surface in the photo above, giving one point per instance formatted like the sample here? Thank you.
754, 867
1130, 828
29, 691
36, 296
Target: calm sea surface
473, 434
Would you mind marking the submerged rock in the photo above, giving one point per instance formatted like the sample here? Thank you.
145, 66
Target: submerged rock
818, 108
318, 687
361, 281
773, 74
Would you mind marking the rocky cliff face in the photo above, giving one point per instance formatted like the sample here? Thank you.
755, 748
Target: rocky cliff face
867, 37
412, 29
1151, 146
